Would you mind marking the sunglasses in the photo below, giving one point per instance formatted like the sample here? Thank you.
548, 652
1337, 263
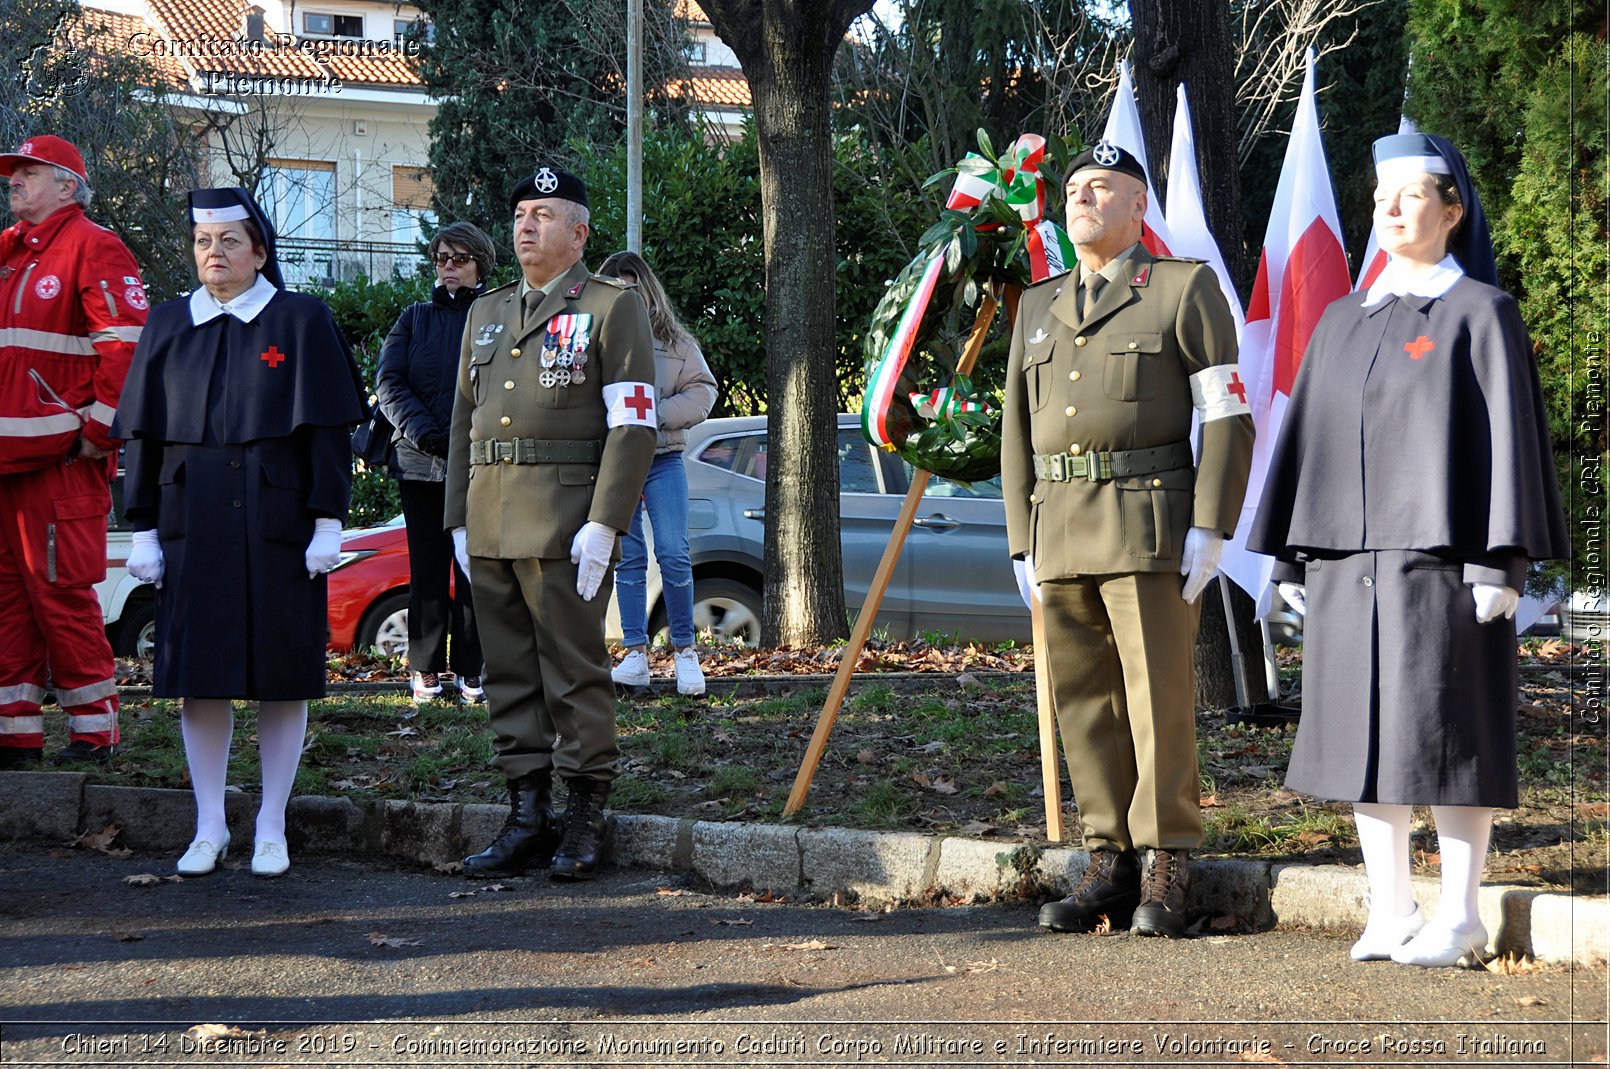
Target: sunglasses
444, 258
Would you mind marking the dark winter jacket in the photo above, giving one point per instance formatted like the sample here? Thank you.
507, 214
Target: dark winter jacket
418, 377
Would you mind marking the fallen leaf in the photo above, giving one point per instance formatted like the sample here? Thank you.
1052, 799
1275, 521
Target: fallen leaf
403, 733
1103, 925
866, 757
931, 747
672, 892
643, 963
968, 681
1531, 1000
128, 937
734, 921
983, 966
944, 785
98, 840
1510, 965
977, 827
950, 969
381, 940
996, 789
450, 868
920, 778
1210, 801
144, 879
463, 894
814, 944
499, 887
1311, 838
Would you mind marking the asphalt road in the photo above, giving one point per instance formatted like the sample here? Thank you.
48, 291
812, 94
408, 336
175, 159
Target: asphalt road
358, 964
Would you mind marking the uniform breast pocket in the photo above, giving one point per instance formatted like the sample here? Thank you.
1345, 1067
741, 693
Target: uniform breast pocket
1156, 511
479, 371
1038, 373
1132, 365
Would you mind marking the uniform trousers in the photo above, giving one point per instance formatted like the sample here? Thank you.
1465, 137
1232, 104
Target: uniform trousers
1119, 650
52, 553
548, 691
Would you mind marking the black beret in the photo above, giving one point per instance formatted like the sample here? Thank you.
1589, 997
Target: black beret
549, 182
1108, 157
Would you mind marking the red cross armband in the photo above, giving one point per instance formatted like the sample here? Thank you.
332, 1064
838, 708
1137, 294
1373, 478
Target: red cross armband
1218, 393
631, 404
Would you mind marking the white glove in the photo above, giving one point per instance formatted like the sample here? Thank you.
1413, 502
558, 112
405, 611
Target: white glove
1199, 560
145, 558
1296, 596
1023, 572
461, 549
591, 549
324, 551
1494, 601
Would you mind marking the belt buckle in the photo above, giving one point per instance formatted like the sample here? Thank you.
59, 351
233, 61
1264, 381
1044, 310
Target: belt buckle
506, 452
1059, 467
1094, 463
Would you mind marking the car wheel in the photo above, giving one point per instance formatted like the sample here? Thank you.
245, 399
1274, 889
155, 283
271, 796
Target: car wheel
726, 608
137, 630
385, 625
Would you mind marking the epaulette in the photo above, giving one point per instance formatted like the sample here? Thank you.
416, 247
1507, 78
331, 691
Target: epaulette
1053, 278
1180, 259
511, 284
611, 280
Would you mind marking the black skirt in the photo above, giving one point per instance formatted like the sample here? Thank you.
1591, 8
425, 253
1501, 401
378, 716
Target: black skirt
1406, 698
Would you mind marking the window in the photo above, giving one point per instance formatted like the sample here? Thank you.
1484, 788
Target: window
324, 24
412, 29
299, 196
698, 53
745, 454
939, 486
411, 214
858, 472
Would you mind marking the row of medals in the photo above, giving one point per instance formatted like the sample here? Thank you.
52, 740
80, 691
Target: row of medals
562, 365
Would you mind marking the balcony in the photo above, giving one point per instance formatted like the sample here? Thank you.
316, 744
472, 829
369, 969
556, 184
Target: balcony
309, 262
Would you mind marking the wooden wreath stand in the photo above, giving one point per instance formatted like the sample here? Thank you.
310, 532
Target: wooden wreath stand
880, 581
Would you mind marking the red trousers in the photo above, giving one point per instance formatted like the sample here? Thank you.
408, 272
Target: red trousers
52, 553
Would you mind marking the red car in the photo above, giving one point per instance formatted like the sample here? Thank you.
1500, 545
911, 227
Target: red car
369, 589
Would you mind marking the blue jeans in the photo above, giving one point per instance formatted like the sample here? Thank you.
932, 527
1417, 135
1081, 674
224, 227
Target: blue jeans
665, 494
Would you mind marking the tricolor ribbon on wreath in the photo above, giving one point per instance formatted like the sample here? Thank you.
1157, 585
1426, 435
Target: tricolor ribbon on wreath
1016, 181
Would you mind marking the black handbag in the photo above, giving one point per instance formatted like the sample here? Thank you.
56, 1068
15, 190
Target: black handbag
371, 441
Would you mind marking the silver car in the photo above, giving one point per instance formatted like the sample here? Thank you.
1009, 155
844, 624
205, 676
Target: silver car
954, 576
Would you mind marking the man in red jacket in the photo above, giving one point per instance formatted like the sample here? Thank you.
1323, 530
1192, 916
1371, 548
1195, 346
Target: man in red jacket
71, 309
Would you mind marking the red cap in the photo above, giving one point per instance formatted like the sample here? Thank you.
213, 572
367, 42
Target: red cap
48, 149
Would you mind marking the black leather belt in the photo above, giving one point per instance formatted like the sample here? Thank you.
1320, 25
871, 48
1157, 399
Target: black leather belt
1099, 467
535, 451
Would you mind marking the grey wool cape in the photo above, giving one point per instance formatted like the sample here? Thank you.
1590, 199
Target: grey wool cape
1414, 460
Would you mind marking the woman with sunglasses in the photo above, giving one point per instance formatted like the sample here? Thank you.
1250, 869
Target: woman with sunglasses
416, 384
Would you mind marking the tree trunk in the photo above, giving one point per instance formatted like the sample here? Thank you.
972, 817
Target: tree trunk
786, 49
1189, 41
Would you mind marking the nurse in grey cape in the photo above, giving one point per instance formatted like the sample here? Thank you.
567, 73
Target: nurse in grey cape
1411, 484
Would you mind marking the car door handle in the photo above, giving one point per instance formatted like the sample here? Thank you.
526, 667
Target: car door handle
755, 514
939, 522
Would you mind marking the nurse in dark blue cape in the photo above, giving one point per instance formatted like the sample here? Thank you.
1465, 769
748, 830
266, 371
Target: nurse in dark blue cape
237, 414
1411, 484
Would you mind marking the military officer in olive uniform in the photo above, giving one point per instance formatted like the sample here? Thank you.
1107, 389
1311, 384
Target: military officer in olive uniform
553, 432
1121, 532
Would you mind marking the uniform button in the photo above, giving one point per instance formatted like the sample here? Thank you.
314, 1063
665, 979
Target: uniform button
1059, 290
509, 385
1070, 410
234, 463
1157, 482
1367, 581
1073, 376
1034, 499
236, 502
1075, 449
1132, 345
1080, 341
515, 353
505, 421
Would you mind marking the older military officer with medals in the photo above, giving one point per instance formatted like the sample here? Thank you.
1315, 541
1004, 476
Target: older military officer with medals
1121, 533
554, 429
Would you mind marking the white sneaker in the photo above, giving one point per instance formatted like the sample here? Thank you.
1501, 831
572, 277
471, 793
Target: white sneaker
632, 671
689, 676
202, 857
1438, 947
1383, 935
427, 686
471, 689
270, 858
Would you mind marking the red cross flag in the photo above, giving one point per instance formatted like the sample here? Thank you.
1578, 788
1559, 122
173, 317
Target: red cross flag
631, 404
1187, 219
1303, 269
1124, 130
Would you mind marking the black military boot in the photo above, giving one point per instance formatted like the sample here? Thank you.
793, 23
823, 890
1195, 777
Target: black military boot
1109, 887
1164, 885
583, 846
529, 836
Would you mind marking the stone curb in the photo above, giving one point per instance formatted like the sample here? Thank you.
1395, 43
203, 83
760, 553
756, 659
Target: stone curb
896, 867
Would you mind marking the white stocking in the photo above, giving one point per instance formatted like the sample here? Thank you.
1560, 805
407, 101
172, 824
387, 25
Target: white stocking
1462, 834
281, 731
1383, 835
207, 725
